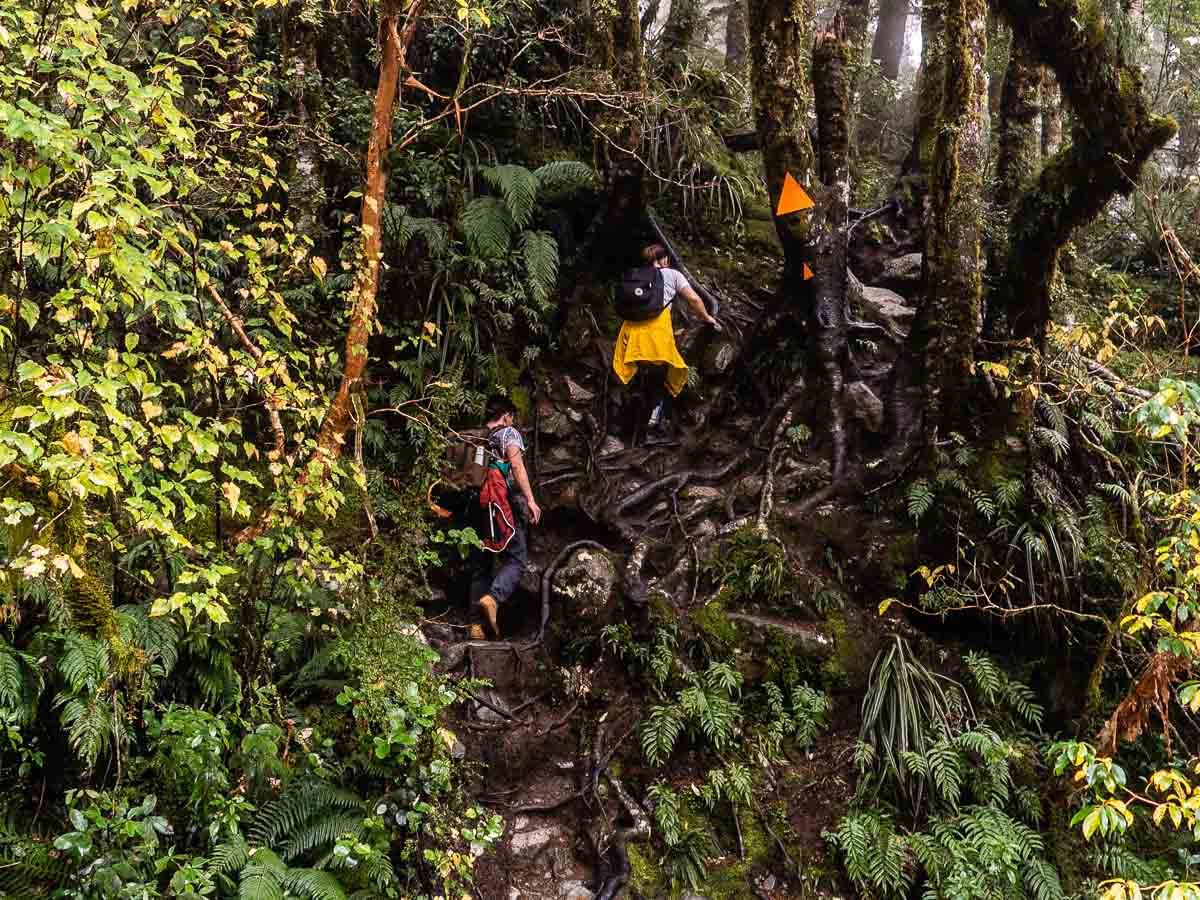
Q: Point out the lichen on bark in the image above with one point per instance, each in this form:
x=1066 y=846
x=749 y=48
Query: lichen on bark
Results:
x=948 y=316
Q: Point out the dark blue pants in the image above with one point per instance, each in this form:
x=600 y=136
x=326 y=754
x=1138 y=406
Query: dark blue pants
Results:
x=499 y=574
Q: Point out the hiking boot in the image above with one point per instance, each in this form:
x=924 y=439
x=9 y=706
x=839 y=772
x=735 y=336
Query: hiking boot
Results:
x=488 y=604
x=475 y=633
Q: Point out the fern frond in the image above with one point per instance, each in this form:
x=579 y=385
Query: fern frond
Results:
x=920 y=499
x=662 y=728
x=487 y=226
x=540 y=251
x=322 y=832
x=262 y=877
x=282 y=818
x=564 y=176
x=313 y=884
x=519 y=188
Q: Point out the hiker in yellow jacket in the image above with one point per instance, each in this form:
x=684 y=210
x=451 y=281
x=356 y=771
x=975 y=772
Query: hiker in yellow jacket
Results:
x=652 y=342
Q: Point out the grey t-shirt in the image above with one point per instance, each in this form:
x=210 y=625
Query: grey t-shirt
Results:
x=503 y=438
x=673 y=283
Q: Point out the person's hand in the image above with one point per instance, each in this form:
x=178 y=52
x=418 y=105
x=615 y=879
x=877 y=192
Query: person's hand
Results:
x=535 y=511
x=715 y=324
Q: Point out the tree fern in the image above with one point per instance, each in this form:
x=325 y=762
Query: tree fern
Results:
x=564 y=176
x=487 y=226
x=540 y=252
x=231 y=856
x=519 y=188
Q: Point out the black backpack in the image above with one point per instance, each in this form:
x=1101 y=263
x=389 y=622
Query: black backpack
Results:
x=640 y=297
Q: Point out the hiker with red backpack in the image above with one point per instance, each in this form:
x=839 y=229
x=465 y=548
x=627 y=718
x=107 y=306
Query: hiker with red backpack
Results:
x=504 y=516
x=647 y=337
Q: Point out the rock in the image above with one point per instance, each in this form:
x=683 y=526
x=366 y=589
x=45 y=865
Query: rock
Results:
x=889 y=309
x=535 y=840
x=611 y=445
x=902 y=273
x=588 y=581
x=574 y=890
x=577 y=393
x=554 y=422
x=719 y=357
x=806 y=638
x=865 y=406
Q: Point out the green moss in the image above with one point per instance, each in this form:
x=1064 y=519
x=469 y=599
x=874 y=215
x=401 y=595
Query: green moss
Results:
x=646 y=878
x=714 y=625
x=835 y=671
x=733 y=880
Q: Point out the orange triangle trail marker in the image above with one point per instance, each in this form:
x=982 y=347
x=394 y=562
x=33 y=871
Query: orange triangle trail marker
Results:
x=792 y=198
x=807 y=272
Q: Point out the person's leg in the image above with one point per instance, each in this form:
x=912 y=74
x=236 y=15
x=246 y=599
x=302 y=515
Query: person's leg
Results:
x=656 y=392
x=479 y=565
x=510 y=566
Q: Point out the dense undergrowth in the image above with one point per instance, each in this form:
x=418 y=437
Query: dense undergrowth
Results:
x=213 y=677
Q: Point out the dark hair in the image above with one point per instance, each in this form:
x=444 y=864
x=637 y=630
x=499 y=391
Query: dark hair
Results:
x=652 y=253
x=497 y=406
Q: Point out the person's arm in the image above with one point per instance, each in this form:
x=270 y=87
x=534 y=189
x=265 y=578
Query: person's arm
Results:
x=698 y=307
x=516 y=459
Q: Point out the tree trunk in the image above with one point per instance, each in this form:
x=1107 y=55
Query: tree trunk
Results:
x=834 y=54
x=948 y=318
x=780 y=36
x=394 y=44
x=931 y=82
x=1020 y=144
x=1052 y=125
x=1114 y=134
x=618 y=37
x=888 y=47
x=307 y=184
x=682 y=31
x=735 y=39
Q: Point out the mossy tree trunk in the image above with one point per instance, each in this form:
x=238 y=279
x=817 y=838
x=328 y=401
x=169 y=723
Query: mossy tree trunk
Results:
x=1019 y=145
x=1114 y=133
x=736 y=39
x=948 y=317
x=780 y=37
x=683 y=30
x=1052 y=124
x=618 y=43
x=930 y=83
x=834 y=53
